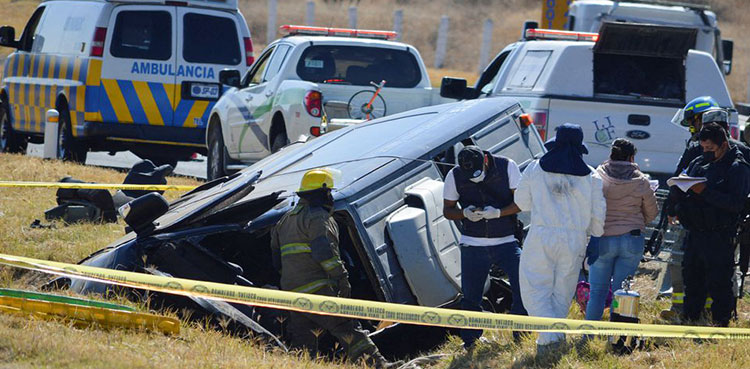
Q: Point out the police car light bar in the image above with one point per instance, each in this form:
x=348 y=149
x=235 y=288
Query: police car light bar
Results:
x=550 y=34
x=342 y=32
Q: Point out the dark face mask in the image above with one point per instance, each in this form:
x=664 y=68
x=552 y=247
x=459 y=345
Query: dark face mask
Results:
x=709 y=156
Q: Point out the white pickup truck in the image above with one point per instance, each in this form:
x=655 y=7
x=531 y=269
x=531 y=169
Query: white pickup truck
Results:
x=305 y=80
x=626 y=81
x=588 y=16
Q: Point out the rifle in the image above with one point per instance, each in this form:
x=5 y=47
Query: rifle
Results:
x=653 y=246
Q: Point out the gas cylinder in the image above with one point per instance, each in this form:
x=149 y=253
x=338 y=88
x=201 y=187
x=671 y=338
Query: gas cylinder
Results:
x=625 y=306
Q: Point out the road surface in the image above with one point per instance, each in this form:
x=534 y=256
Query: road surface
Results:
x=126 y=159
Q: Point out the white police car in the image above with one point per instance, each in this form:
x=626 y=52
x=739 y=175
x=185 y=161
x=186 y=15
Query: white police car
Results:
x=123 y=74
x=302 y=81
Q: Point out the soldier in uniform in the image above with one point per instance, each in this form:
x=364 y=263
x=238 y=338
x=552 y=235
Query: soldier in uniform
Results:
x=304 y=246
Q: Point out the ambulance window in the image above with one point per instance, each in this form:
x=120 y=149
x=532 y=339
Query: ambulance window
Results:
x=27 y=38
x=210 y=39
x=141 y=34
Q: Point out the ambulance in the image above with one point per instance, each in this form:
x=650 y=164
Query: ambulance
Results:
x=123 y=75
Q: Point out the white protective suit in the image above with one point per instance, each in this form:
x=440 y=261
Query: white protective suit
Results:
x=565 y=209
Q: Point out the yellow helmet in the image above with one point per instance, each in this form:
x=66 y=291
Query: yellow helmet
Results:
x=315 y=179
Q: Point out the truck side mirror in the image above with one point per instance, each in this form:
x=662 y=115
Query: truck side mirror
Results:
x=728 y=51
x=8 y=37
x=230 y=77
x=453 y=88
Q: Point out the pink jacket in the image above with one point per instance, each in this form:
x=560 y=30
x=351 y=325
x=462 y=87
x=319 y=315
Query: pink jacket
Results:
x=631 y=203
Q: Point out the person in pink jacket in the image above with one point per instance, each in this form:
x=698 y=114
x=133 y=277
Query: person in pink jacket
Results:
x=631 y=204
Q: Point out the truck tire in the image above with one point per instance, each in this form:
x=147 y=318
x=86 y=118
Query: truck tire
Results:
x=216 y=163
x=279 y=141
x=10 y=141
x=68 y=147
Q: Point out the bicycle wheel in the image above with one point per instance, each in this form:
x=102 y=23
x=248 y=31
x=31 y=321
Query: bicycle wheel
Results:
x=358 y=109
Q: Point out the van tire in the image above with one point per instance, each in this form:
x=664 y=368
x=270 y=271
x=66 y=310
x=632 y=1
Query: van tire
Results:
x=279 y=141
x=216 y=162
x=10 y=141
x=68 y=147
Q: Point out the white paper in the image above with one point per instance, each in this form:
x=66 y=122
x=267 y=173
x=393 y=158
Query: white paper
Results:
x=684 y=182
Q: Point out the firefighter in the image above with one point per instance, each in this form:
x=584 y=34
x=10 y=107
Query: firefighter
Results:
x=710 y=212
x=304 y=246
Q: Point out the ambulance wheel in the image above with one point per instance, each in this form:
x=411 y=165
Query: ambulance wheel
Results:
x=216 y=165
x=68 y=147
x=10 y=141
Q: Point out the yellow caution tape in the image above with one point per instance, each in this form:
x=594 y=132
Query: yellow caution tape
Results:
x=95 y=186
x=86 y=315
x=364 y=309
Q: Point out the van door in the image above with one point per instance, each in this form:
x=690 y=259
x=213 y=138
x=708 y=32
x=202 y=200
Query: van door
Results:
x=426 y=244
x=138 y=72
x=208 y=41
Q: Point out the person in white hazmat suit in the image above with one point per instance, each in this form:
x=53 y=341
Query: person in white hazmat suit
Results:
x=565 y=198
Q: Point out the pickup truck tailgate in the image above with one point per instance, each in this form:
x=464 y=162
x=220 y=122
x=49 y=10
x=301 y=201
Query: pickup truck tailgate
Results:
x=659 y=142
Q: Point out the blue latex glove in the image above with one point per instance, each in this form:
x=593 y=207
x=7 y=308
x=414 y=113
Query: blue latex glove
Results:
x=592 y=250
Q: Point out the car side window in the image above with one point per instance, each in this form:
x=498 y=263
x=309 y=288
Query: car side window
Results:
x=29 y=32
x=142 y=34
x=255 y=75
x=277 y=60
x=503 y=137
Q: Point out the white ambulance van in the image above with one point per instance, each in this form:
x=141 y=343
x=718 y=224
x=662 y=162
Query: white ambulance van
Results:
x=124 y=75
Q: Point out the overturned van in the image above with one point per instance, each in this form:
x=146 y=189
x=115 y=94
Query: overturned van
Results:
x=395 y=242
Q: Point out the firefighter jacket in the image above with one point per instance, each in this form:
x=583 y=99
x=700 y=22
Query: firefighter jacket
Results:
x=304 y=246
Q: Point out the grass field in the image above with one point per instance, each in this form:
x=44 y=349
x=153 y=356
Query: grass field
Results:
x=31 y=343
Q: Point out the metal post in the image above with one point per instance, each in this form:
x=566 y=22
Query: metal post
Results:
x=398 y=23
x=310 y=14
x=352 y=17
x=484 y=53
x=271 y=31
x=51 y=126
x=442 y=41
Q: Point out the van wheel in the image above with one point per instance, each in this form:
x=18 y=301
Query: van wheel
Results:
x=10 y=141
x=216 y=163
x=279 y=141
x=68 y=148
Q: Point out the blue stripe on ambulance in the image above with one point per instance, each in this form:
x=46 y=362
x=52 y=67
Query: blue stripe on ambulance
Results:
x=162 y=101
x=133 y=102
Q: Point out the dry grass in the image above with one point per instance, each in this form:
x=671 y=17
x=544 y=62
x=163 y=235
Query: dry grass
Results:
x=31 y=343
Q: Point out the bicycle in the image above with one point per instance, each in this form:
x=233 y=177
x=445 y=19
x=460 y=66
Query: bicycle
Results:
x=367 y=104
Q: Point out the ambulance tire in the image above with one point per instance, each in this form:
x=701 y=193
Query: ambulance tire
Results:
x=216 y=163
x=68 y=147
x=10 y=141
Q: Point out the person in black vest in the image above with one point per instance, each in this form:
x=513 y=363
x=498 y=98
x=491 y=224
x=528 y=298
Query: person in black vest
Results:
x=710 y=211
x=483 y=185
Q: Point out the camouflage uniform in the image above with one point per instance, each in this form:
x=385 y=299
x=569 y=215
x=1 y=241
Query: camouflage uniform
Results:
x=304 y=245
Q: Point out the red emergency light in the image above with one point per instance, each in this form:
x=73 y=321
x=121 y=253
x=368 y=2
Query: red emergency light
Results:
x=550 y=34
x=342 y=32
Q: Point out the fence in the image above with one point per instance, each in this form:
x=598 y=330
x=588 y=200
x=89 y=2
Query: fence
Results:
x=398 y=22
